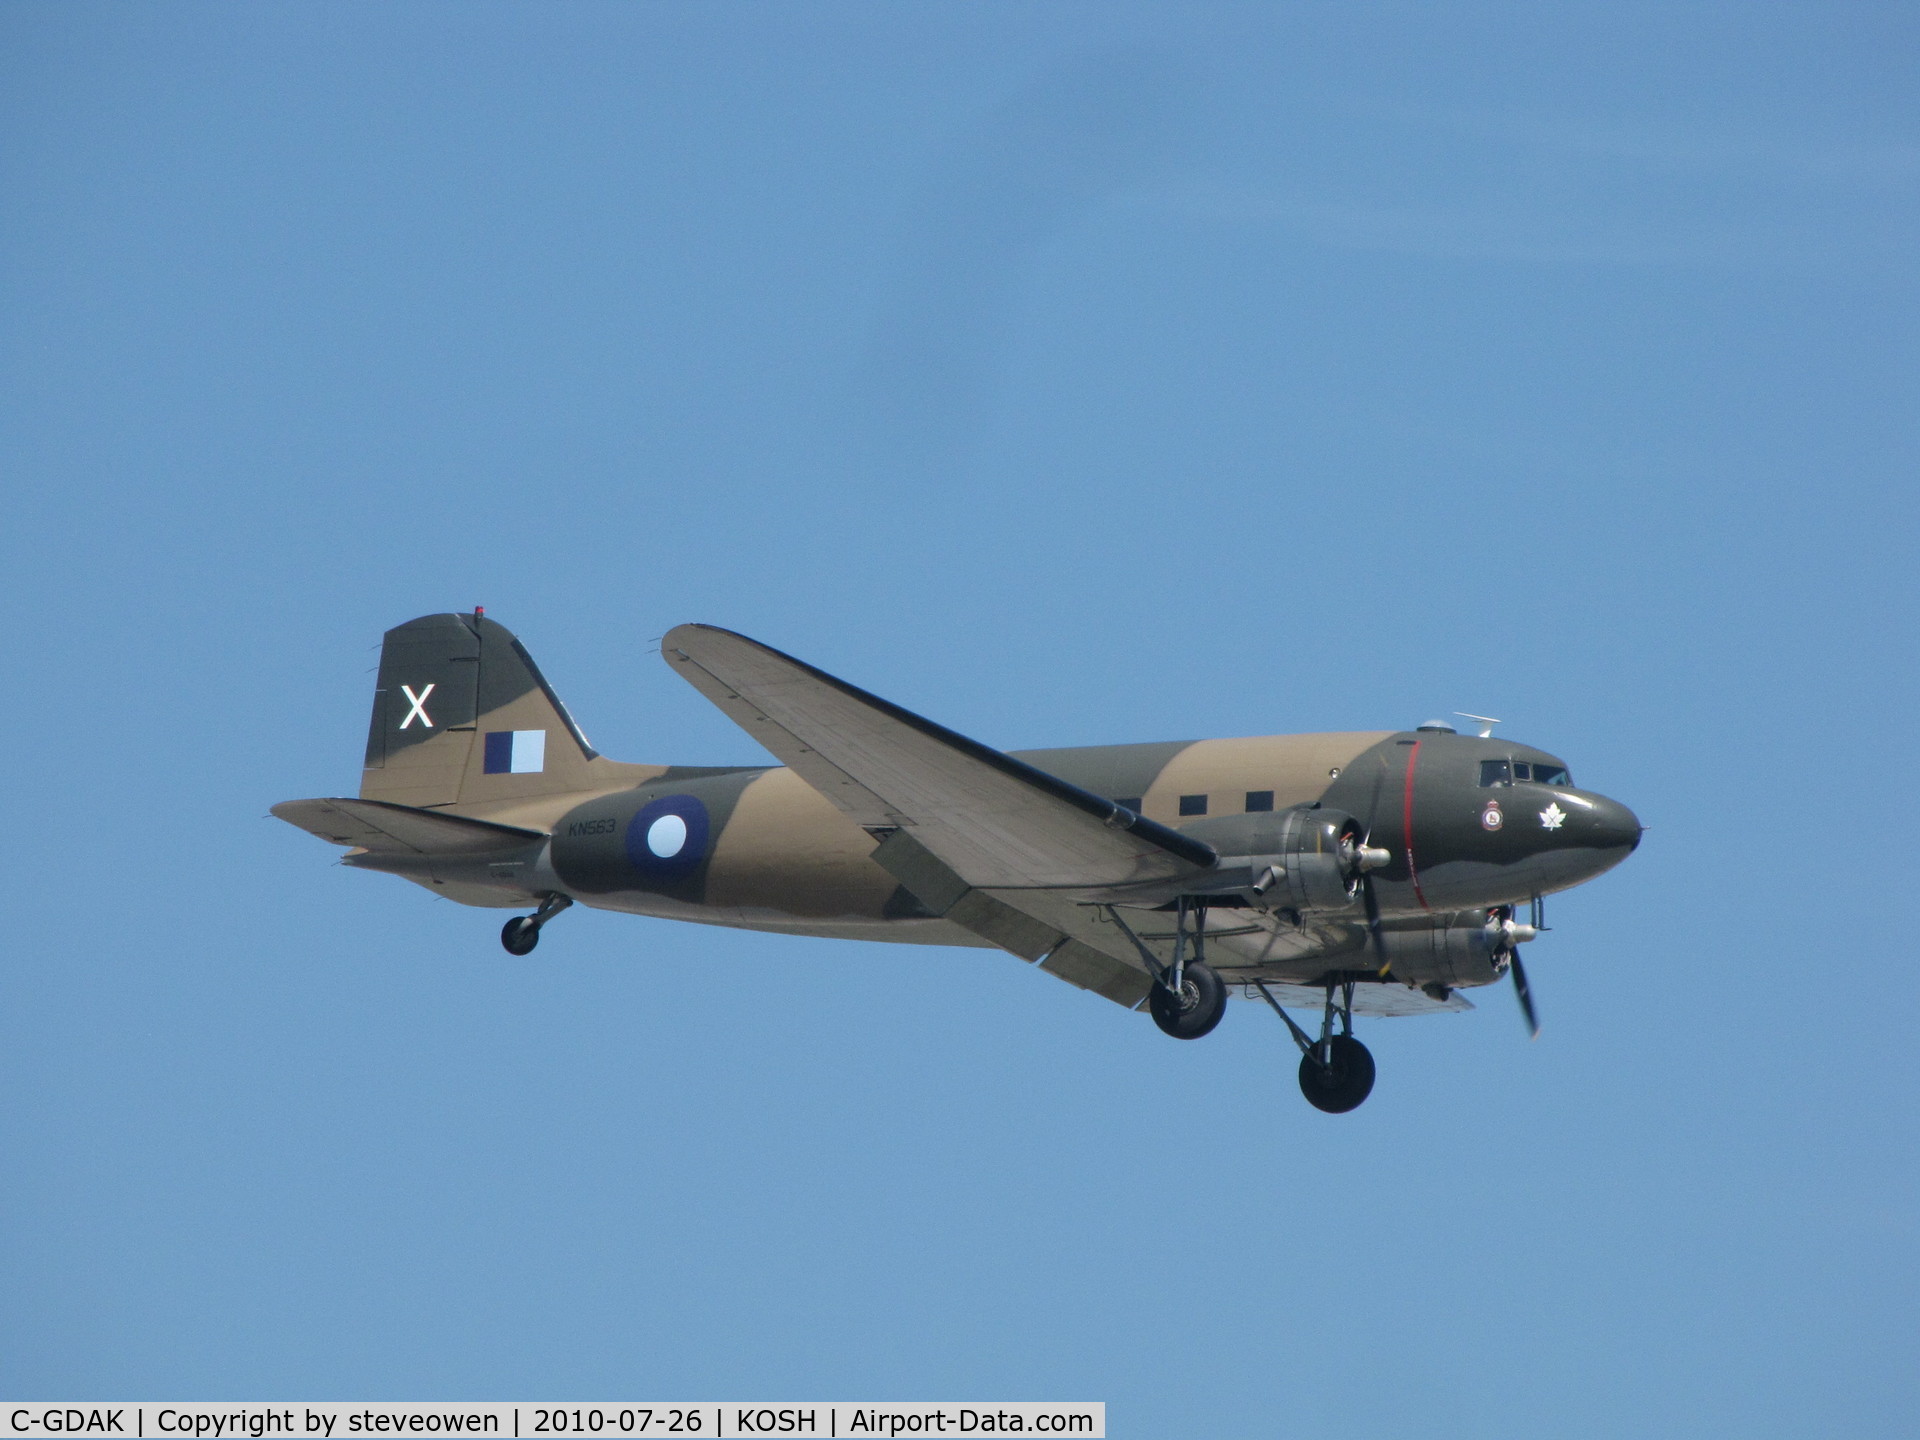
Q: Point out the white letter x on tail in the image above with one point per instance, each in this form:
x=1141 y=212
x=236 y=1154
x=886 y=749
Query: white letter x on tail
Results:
x=419 y=704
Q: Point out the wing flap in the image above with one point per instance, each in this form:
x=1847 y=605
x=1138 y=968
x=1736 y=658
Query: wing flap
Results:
x=1090 y=969
x=995 y=821
x=1073 y=942
x=388 y=829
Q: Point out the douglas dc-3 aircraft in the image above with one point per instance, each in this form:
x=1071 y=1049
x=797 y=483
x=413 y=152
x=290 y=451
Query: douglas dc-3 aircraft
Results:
x=1371 y=873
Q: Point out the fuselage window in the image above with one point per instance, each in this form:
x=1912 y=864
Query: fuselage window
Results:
x=1259 y=800
x=1495 y=772
x=1193 y=804
x=1544 y=774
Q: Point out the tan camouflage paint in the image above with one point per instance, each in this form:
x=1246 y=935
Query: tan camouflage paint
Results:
x=1297 y=768
x=787 y=849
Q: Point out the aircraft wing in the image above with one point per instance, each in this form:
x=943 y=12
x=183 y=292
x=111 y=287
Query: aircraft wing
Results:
x=390 y=829
x=996 y=822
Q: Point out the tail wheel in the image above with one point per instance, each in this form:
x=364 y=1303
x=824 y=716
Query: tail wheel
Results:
x=1196 y=1009
x=1343 y=1082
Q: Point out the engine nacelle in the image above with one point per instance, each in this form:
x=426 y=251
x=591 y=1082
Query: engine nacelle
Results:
x=1469 y=947
x=1309 y=858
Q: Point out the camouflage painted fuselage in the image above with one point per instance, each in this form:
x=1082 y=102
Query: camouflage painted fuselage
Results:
x=760 y=848
x=777 y=856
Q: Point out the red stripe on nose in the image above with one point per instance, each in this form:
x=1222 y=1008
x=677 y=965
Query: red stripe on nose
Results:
x=1406 y=826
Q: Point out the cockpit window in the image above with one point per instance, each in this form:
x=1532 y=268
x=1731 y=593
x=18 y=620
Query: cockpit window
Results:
x=1506 y=772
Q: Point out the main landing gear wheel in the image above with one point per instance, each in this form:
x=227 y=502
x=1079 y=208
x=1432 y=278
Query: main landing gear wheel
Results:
x=1196 y=1009
x=1340 y=1081
x=1336 y=1071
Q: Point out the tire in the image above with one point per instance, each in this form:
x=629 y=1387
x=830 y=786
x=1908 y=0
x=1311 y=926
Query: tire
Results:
x=1341 y=1085
x=1198 y=1007
x=520 y=935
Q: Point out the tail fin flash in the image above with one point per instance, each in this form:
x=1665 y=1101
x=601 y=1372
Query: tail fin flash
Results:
x=462 y=716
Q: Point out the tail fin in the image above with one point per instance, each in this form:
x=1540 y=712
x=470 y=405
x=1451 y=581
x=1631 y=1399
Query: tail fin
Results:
x=462 y=716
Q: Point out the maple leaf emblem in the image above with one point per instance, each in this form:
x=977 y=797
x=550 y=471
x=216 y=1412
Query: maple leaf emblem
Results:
x=1551 y=817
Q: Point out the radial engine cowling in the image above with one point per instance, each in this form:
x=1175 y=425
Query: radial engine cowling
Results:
x=1308 y=858
x=1468 y=947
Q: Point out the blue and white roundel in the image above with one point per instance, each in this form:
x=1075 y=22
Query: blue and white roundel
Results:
x=668 y=837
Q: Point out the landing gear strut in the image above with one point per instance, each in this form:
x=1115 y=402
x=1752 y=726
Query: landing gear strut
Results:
x=1187 y=999
x=522 y=932
x=1336 y=1071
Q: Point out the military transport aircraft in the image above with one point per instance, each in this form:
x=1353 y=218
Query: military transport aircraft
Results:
x=1371 y=873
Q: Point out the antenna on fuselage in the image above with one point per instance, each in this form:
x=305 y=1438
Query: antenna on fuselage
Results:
x=1486 y=722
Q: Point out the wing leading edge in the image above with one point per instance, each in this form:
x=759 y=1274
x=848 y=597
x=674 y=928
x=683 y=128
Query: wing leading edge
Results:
x=997 y=822
x=986 y=841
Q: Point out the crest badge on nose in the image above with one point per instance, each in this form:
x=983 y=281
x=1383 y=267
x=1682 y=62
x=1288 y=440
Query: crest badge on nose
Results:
x=1491 y=816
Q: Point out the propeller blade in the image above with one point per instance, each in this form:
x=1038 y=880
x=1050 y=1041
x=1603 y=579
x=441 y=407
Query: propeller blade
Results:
x=1372 y=904
x=1525 y=993
x=1373 y=922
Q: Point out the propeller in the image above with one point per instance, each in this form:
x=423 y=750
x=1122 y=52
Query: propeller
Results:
x=1365 y=860
x=1372 y=904
x=1525 y=994
x=1508 y=938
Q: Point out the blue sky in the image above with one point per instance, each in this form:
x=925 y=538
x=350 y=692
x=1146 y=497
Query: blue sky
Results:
x=1070 y=374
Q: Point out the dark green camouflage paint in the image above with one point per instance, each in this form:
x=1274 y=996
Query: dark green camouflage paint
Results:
x=590 y=846
x=1452 y=858
x=474 y=666
x=1118 y=772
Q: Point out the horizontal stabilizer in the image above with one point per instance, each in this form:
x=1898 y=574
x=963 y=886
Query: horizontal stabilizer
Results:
x=390 y=829
x=996 y=821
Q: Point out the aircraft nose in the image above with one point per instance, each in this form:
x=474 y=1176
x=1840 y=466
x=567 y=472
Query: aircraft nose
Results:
x=1612 y=825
